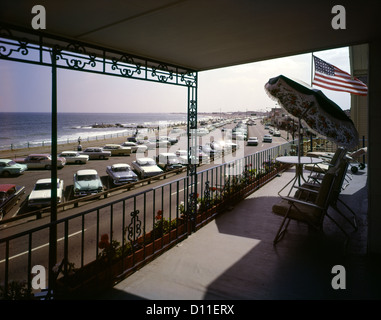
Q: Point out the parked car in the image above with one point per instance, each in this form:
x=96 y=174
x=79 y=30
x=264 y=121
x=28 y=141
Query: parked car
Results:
x=41 y=193
x=267 y=138
x=146 y=167
x=74 y=157
x=182 y=155
x=149 y=144
x=211 y=152
x=229 y=146
x=160 y=143
x=40 y=161
x=238 y=135
x=10 y=168
x=171 y=139
x=276 y=133
x=252 y=141
x=200 y=156
x=168 y=161
x=117 y=150
x=10 y=194
x=135 y=147
x=96 y=153
x=121 y=173
x=87 y=182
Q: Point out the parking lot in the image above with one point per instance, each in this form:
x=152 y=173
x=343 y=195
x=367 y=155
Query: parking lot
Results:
x=29 y=178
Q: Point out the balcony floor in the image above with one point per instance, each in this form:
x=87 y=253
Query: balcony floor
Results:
x=233 y=257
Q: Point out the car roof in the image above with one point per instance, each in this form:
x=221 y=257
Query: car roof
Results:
x=120 y=165
x=45 y=180
x=86 y=171
x=167 y=154
x=6 y=187
x=39 y=155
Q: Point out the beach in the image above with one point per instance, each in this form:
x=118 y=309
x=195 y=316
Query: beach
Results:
x=23 y=152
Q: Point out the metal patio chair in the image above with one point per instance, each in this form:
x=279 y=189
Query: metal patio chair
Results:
x=310 y=212
x=337 y=187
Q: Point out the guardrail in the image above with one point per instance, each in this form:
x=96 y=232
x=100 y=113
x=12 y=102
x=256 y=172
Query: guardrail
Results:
x=37 y=214
x=131 y=231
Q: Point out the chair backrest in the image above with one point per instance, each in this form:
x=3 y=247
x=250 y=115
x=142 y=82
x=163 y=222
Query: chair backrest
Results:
x=339 y=181
x=325 y=194
x=338 y=155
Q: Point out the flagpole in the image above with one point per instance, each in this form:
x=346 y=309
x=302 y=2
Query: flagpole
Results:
x=312 y=66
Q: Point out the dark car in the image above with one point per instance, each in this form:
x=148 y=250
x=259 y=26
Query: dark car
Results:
x=10 y=194
x=121 y=173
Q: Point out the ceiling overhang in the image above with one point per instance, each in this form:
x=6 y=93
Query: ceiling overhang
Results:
x=202 y=34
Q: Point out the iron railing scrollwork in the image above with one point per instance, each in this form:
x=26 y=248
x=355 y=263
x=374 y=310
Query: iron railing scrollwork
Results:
x=24 y=45
x=126 y=66
x=134 y=229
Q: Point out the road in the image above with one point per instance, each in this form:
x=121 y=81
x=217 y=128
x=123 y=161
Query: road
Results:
x=166 y=195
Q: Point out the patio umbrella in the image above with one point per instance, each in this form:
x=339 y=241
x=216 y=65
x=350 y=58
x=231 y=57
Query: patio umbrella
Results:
x=319 y=113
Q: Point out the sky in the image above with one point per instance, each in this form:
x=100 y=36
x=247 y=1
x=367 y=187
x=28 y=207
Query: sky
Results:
x=27 y=88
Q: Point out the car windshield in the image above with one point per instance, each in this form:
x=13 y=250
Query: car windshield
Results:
x=11 y=163
x=146 y=162
x=3 y=196
x=44 y=186
x=120 y=169
x=87 y=177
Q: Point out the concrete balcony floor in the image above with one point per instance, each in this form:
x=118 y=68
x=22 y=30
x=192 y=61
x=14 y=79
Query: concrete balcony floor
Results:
x=233 y=257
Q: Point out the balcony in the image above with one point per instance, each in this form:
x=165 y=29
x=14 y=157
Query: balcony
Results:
x=233 y=256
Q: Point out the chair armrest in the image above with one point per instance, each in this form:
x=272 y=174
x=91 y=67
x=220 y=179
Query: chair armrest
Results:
x=293 y=200
x=307 y=189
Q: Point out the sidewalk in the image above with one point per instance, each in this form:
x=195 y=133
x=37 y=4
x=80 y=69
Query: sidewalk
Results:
x=233 y=257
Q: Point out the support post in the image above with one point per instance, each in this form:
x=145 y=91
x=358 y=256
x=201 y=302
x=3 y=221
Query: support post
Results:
x=53 y=203
x=192 y=156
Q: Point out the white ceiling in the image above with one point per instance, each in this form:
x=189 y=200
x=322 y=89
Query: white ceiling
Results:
x=202 y=34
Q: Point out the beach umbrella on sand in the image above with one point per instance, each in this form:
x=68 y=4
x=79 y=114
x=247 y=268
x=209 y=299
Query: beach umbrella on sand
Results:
x=318 y=112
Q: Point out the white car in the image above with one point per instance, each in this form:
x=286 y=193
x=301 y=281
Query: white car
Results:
x=168 y=161
x=199 y=157
x=74 y=157
x=135 y=147
x=97 y=153
x=146 y=167
x=117 y=150
x=41 y=193
x=252 y=141
x=267 y=138
x=276 y=133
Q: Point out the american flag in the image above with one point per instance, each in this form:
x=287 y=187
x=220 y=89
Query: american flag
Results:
x=330 y=77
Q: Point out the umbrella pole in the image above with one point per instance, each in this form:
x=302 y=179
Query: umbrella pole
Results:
x=299 y=146
x=299 y=143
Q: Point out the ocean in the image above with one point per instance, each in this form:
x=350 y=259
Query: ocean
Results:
x=19 y=130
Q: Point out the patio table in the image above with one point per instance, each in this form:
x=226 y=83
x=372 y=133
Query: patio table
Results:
x=299 y=162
